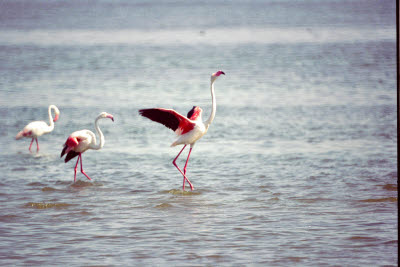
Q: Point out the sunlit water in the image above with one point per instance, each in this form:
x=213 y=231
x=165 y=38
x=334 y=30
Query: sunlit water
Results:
x=298 y=167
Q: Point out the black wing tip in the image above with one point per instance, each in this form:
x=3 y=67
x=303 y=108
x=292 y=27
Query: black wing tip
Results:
x=63 y=151
x=72 y=154
x=149 y=112
x=145 y=111
x=163 y=116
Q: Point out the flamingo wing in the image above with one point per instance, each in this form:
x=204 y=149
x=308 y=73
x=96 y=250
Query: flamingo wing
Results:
x=71 y=154
x=33 y=129
x=75 y=144
x=64 y=150
x=170 y=118
x=69 y=145
x=23 y=133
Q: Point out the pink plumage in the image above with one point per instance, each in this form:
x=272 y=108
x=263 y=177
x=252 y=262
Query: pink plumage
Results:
x=188 y=129
x=170 y=118
x=38 y=128
x=80 y=141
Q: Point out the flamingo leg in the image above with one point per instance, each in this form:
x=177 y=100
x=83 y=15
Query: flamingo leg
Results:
x=31 y=145
x=184 y=175
x=187 y=160
x=184 y=169
x=76 y=166
x=80 y=155
x=37 y=145
x=174 y=162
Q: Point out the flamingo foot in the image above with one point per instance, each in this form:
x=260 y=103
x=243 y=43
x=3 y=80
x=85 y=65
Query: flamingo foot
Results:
x=191 y=186
x=185 y=179
x=85 y=175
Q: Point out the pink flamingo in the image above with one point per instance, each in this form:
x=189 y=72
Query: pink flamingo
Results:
x=38 y=128
x=80 y=141
x=189 y=129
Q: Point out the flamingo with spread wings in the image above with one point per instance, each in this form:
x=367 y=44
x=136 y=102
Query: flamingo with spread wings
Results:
x=189 y=129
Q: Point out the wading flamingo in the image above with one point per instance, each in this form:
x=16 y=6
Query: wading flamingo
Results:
x=38 y=128
x=189 y=129
x=80 y=141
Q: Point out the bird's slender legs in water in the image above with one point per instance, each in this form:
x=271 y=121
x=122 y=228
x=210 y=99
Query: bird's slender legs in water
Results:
x=76 y=167
x=184 y=175
x=31 y=145
x=37 y=145
x=184 y=170
x=80 y=155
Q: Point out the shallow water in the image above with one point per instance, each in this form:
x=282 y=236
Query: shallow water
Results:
x=298 y=167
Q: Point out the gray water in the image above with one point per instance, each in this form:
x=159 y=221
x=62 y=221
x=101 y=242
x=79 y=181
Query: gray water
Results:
x=299 y=166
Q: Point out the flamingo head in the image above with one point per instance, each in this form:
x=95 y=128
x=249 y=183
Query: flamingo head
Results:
x=106 y=115
x=215 y=75
x=56 y=112
x=195 y=113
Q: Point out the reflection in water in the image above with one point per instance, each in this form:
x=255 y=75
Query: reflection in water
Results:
x=44 y=205
x=180 y=192
x=80 y=183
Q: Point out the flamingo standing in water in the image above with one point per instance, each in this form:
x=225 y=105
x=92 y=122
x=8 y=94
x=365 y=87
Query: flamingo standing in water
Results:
x=80 y=141
x=189 y=129
x=38 y=128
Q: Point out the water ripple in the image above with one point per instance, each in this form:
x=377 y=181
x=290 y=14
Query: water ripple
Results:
x=44 y=205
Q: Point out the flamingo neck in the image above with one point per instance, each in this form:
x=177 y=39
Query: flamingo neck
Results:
x=51 y=126
x=214 y=107
x=100 y=133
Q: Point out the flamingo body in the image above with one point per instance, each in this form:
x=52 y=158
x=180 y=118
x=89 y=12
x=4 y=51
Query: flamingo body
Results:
x=189 y=129
x=80 y=141
x=33 y=130
x=38 y=128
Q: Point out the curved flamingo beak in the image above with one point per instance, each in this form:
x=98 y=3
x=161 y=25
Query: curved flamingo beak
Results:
x=218 y=73
x=110 y=117
x=55 y=118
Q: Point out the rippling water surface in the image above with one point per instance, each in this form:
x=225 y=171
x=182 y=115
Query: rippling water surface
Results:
x=298 y=167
